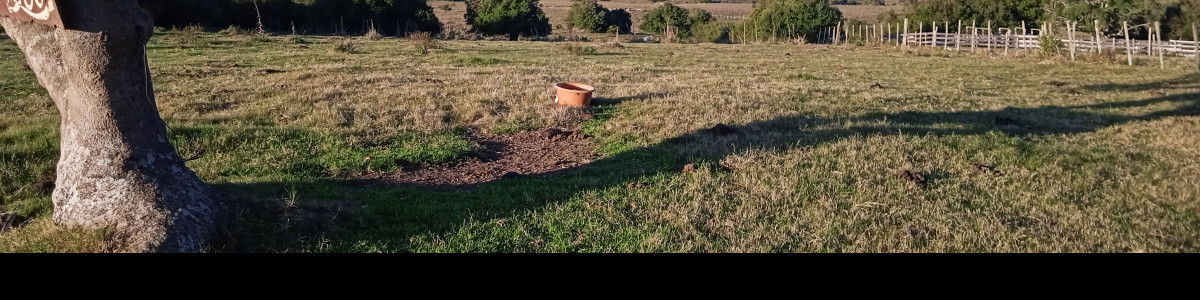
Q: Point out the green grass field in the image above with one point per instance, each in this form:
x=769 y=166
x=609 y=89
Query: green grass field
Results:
x=1022 y=154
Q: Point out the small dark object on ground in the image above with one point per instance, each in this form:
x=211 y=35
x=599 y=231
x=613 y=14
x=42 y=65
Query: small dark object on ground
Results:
x=722 y=129
x=913 y=177
x=1005 y=121
x=271 y=71
x=556 y=134
x=613 y=45
x=688 y=168
x=633 y=185
x=877 y=86
x=45 y=185
x=986 y=169
x=511 y=175
x=1056 y=83
x=10 y=221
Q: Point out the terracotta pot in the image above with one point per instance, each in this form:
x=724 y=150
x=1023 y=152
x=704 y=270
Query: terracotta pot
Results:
x=573 y=94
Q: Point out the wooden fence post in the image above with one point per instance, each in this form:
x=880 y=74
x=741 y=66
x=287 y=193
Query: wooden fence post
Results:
x=1161 y=63
x=958 y=37
x=946 y=41
x=1128 y=43
x=1006 y=40
x=1024 y=33
x=991 y=37
x=1071 y=36
x=905 y=42
x=1196 y=40
x=756 y=30
x=1099 y=44
x=837 y=34
x=974 y=36
x=935 y=35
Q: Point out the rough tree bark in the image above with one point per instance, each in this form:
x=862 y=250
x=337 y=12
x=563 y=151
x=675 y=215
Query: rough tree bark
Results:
x=116 y=168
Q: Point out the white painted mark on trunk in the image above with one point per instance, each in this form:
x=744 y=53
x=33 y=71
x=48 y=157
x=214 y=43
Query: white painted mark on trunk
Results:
x=38 y=9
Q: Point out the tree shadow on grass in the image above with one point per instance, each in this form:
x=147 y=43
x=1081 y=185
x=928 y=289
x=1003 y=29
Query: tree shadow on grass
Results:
x=312 y=214
x=611 y=101
x=1186 y=81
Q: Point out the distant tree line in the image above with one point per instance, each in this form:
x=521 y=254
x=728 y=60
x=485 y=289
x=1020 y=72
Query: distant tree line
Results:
x=391 y=17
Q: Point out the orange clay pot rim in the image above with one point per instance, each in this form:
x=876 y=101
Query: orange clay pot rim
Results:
x=575 y=87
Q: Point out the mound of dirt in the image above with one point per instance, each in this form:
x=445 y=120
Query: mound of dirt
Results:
x=508 y=156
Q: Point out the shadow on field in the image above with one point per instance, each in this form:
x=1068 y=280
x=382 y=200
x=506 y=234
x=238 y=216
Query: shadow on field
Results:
x=334 y=215
x=1187 y=81
x=602 y=101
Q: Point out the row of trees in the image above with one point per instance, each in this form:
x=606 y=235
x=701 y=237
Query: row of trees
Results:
x=1177 y=17
x=770 y=19
x=310 y=16
x=512 y=18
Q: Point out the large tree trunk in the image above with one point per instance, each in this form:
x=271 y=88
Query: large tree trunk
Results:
x=117 y=169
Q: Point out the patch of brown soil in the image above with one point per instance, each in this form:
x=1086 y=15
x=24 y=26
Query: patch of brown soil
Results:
x=507 y=156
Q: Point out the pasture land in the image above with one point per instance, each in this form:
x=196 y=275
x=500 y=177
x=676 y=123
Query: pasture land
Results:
x=822 y=148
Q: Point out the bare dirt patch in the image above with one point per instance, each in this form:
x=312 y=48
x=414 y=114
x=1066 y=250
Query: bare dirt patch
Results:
x=507 y=156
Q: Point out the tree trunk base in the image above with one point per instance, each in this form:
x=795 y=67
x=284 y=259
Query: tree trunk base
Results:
x=117 y=169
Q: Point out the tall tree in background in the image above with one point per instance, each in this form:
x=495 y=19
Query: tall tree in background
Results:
x=1110 y=13
x=1179 y=17
x=1002 y=13
x=116 y=168
x=789 y=18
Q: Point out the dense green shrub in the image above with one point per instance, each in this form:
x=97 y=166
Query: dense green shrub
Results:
x=1049 y=45
x=619 y=18
x=587 y=15
x=711 y=32
x=793 y=18
x=694 y=25
x=390 y=17
x=658 y=19
x=507 y=17
x=700 y=16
